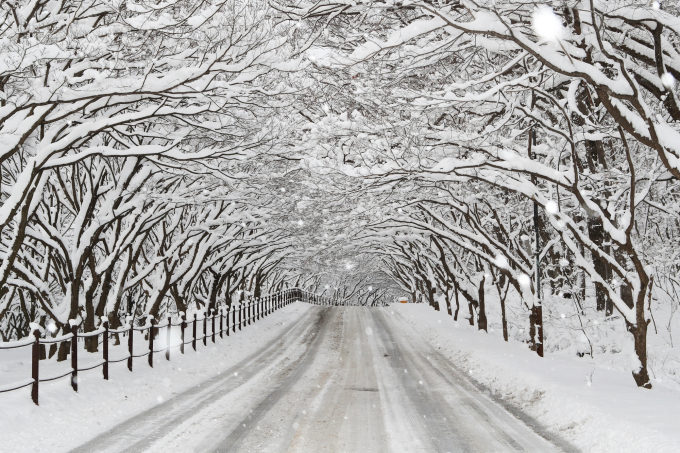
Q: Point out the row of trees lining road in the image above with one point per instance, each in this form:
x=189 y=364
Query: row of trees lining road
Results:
x=484 y=111
x=514 y=164
x=134 y=136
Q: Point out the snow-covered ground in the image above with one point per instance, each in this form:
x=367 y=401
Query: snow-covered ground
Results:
x=344 y=379
x=377 y=377
x=595 y=408
x=66 y=419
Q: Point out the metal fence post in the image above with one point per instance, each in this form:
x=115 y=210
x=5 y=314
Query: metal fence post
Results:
x=193 y=342
x=36 y=367
x=205 y=328
x=105 y=349
x=221 y=322
x=212 y=325
x=167 y=336
x=228 y=320
x=153 y=321
x=240 y=315
x=74 y=358
x=131 y=336
x=182 y=326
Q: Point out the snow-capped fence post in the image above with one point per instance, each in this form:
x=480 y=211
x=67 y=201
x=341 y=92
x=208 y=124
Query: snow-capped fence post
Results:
x=151 y=335
x=227 y=317
x=250 y=311
x=212 y=324
x=205 y=328
x=193 y=341
x=105 y=351
x=221 y=322
x=131 y=336
x=35 y=366
x=240 y=315
x=74 y=357
x=233 y=321
x=167 y=336
x=182 y=326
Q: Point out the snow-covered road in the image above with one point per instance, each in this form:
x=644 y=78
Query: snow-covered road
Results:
x=336 y=380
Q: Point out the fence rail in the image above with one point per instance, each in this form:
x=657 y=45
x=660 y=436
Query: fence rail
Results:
x=234 y=317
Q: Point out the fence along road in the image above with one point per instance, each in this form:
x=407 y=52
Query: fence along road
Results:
x=340 y=379
x=241 y=315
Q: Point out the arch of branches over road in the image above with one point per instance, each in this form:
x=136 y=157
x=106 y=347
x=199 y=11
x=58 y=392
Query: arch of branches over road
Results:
x=520 y=159
x=134 y=137
x=531 y=148
x=147 y=165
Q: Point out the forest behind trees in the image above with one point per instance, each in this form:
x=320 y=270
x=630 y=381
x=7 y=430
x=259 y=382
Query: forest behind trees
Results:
x=511 y=162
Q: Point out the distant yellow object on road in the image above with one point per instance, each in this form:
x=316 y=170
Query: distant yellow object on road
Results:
x=403 y=300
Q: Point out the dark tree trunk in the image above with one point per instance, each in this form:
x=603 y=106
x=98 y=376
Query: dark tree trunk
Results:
x=91 y=343
x=500 y=285
x=597 y=234
x=481 y=320
x=448 y=300
x=504 y=320
x=455 y=290
x=258 y=285
x=433 y=300
x=214 y=289
x=532 y=328
x=64 y=348
x=626 y=291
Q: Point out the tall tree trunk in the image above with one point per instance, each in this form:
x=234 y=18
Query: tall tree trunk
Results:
x=532 y=328
x=448 y=300
x=500 y=285
x=91 y=343
x=504 y=320
x=432 y=292
x=481 y=319
x=597 y=234
x=455 y=290
x=214 y=289
x=258 y=285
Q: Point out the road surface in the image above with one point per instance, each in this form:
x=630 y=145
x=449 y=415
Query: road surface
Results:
x=339 y=379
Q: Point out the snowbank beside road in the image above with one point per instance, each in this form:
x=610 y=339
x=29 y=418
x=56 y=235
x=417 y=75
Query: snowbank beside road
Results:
x=65 y=419
x=596 y=409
